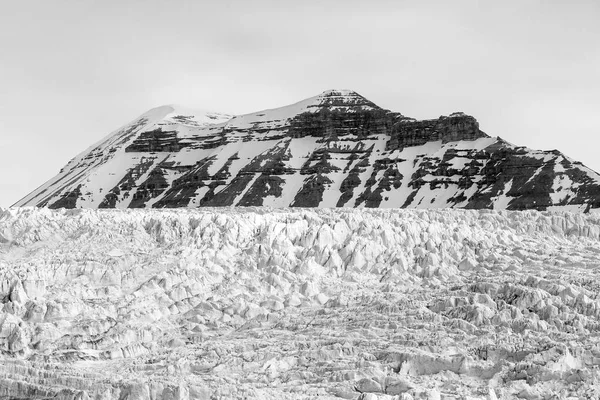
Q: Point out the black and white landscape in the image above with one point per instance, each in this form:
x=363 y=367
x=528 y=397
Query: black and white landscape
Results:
x=364 y=200
x=341 y=271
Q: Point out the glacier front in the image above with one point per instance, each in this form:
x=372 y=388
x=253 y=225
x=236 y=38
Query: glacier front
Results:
x=298 y=304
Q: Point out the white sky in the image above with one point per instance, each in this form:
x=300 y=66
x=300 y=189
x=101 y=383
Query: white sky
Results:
x=73 y=71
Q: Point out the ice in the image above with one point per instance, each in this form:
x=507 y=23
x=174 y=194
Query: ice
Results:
x=298 y=303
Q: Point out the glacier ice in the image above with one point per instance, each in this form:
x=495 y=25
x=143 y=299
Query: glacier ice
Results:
x=298 y=303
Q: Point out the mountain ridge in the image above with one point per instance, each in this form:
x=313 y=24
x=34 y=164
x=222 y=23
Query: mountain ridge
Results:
x=335 y=149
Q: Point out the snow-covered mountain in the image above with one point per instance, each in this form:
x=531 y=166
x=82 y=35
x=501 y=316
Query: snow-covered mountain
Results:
x=336 y=149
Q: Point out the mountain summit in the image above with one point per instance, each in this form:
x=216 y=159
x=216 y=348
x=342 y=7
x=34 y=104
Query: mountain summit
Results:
x=336 y=149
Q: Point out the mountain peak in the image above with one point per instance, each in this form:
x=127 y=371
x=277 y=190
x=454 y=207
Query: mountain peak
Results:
x=278 y=118
x=342 y=98
x=179 y=114
x=339 y=93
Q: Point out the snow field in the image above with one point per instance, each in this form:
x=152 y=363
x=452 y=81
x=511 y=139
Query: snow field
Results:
x=298 y=303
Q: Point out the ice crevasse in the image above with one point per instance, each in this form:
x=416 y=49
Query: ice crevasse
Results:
x=298 y=303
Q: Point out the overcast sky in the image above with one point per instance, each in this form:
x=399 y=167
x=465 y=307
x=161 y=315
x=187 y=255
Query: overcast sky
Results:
x=73 y=71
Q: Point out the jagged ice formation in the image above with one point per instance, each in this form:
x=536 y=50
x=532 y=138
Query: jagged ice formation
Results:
x=298 y=304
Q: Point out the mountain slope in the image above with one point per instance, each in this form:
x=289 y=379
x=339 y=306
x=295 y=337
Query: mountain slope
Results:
x=336 y=149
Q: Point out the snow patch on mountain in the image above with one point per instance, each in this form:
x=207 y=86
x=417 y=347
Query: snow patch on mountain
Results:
x=276 y=118
x=198 y=116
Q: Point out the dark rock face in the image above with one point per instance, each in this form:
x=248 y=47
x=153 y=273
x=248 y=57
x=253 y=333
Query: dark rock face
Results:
x=155 y=140
x=337 y=149
x=456 y=127
x=311 y=193
x=68 y=200
x=127 y=183
x=331 y=124
x=391 y=179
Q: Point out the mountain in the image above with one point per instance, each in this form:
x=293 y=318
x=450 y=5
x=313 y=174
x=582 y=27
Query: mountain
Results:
x=336 y=149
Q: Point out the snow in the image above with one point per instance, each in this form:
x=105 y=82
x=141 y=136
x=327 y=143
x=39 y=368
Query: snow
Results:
x=101 y=166
x=298 y=303
x=558 y=167
x=432 y=198
x=332 y=192
x=300 y=150
x=194 y=117
x=459 y=162
x=241 y=195
x=562 y=186
x=478 y=144
x=278 y=117
x=246 y=151
x=293 y=184
x=502 y=200
x=414 y=157
x=100 y=152
x=378 y=145
x=199 y=195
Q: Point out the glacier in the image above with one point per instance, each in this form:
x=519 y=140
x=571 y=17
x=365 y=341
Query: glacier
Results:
x=299 y=303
